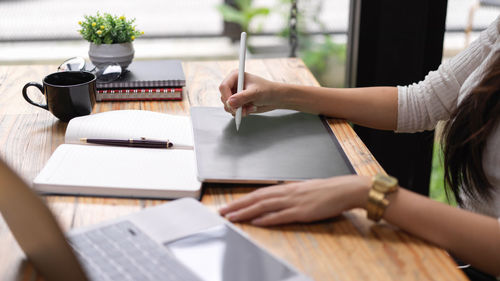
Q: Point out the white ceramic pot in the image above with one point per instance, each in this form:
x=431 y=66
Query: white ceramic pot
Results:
x=104 y=54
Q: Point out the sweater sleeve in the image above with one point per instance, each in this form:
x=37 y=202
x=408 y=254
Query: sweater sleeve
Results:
x=421 y=105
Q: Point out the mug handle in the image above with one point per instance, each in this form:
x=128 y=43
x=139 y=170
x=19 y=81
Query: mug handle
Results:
x=25 y=95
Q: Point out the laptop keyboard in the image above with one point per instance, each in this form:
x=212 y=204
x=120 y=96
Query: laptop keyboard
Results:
x=122 y=252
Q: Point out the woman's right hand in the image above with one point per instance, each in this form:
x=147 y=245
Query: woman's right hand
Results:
x=259 y=94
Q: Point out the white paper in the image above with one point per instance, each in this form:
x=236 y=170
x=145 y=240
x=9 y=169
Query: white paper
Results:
x=120 y=171
x=76 y=168
x=132 y=124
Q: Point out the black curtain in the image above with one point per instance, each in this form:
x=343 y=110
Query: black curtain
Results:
x=399 y=43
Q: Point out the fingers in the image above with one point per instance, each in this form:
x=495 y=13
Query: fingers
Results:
x=249 y=109
x=227 y=108
x=265 y=108
x=242 y=98
x=252 y=198
x=228 y=85
x=282 y=217
x=228 y=89
x=258 y=209
x=259 y=205
x=246 y=110
x=253 y=99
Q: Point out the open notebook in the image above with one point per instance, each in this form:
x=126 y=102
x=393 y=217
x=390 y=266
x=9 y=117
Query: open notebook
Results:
x=76 y=168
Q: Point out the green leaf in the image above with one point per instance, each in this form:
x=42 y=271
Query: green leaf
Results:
x=258 y=12
x=243 y=4
x=230 y=14
x=116 y=30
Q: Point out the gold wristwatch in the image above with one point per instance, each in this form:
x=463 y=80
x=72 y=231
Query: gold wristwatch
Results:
x=382 y=185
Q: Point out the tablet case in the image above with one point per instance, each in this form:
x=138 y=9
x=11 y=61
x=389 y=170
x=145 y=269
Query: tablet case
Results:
x=277 y=146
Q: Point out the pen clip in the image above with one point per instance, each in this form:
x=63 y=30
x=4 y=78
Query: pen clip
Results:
x=167 y=141
x=150 y=139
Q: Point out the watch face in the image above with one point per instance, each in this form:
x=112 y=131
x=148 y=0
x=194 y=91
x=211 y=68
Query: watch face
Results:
x=384 y=183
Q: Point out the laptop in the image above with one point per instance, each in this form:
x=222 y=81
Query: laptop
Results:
x=179 y=240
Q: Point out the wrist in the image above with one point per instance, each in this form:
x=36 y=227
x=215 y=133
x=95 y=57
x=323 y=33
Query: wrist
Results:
x=360 y=191
x=289 y=96
x=378 y=197
x=282 y=94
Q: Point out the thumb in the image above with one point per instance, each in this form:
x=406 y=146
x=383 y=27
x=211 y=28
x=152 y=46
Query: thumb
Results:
x=242 y=98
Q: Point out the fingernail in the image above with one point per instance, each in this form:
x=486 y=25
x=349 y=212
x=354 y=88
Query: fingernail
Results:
x=222 y=209
x=231 y=217
x=228 y=105
x=231 y=102
x=256 y=221
x=252 y=109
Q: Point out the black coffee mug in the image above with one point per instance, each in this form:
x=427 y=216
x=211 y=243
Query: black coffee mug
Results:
x=68 y=94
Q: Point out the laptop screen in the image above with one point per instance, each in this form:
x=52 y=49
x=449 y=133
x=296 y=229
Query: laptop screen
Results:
x=222 y=254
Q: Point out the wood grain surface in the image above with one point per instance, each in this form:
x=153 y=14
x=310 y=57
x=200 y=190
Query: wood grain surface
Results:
x=348 y=247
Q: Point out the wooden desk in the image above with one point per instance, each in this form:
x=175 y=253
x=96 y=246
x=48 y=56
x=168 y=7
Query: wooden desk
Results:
x=345 y=248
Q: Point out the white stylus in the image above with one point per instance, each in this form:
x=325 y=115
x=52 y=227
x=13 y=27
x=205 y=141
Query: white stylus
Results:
x=241 y=75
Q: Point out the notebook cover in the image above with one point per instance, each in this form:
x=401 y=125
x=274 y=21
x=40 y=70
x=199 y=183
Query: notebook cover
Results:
x=277 y=146
x=149 y=74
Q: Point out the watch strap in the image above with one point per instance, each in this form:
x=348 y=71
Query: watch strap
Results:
x=377 y=201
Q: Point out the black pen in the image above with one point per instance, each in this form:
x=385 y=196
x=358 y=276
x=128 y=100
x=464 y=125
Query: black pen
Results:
x=142 y=142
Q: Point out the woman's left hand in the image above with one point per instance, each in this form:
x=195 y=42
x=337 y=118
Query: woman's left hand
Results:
x=299 y=202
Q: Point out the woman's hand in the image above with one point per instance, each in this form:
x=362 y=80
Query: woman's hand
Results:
x=259 y=94
x=300 y=202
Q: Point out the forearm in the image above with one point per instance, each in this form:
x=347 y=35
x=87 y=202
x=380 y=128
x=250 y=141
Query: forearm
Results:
x=374 y=107
x=471 y=237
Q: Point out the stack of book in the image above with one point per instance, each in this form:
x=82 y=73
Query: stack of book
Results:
x=146 y=80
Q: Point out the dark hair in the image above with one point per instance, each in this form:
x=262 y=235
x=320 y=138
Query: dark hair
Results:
x=465 y=136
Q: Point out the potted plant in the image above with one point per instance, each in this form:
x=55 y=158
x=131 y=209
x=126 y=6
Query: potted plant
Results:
x=324 y=57
x=243 y=13
x=110 y=38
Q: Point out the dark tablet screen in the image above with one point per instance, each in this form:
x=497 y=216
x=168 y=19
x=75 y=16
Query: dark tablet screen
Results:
x=280 y=145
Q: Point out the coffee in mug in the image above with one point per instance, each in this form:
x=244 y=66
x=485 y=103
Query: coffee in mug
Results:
x=68 y=94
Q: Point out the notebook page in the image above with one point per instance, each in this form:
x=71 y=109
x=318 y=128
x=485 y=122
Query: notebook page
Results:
x=120 y=171
x=132 y=124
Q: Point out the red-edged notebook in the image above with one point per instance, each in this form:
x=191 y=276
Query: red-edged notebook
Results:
x=139 y=94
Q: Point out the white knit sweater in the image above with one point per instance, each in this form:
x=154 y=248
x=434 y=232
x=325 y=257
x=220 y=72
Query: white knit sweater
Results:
x=422 y=105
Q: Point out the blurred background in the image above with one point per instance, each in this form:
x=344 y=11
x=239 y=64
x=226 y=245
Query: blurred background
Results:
x=40 y=31
x=46 y=31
